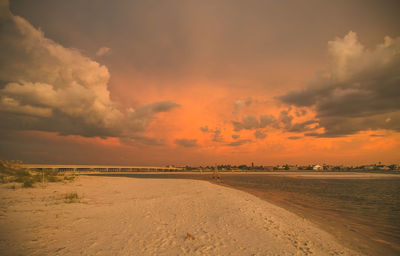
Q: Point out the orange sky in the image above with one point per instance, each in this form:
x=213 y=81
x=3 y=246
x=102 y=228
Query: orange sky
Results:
x=200 y=83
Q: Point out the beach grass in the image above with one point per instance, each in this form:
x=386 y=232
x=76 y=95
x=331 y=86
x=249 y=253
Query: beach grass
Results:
x=12 y=171
x=72 y=197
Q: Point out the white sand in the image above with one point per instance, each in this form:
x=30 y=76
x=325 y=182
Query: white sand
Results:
x=126 y=216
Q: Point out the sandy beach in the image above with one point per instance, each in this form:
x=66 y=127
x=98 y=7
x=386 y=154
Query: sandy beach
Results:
x=127 y=216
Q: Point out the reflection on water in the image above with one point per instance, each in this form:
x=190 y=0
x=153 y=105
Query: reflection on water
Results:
x=362 y=213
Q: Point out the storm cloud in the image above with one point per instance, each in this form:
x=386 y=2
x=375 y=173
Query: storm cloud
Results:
x=187 y=143
x=360 y=91
x=239 y=143
x=217 y=136
x=283 y=121
x=250 y=122
x=294 y=137
x=139 y=139
x=235 y=136
x=45 y=86
x=260 y=134
x=204 y=128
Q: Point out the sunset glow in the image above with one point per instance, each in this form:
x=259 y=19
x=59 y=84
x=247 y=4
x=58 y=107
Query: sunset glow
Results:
x=200 y=82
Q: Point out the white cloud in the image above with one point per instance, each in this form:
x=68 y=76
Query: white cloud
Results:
x=59 y=89
x=11 y=105
x=360 y=90
x=343 y=53
x=103 y=51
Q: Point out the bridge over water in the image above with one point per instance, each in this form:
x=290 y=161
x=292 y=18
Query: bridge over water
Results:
x=100 y=168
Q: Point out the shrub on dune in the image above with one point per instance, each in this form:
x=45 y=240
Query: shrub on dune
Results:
x=71 y=197
x=12 y=171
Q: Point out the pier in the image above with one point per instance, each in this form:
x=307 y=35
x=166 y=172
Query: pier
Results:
x=100 y=168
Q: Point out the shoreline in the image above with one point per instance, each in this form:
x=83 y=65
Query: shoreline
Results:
x=340 y=228
x=349 y=229
x=153 y=216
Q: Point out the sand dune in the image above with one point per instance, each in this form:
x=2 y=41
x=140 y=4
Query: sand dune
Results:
x=126 y=216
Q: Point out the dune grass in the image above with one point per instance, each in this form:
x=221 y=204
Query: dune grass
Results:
x=72 y=197
x=12 y=171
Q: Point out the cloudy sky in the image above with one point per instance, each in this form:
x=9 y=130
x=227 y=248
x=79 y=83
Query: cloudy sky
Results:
x=200 y=82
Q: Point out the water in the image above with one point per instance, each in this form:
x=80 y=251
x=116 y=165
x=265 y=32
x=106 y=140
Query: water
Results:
x=363 y=214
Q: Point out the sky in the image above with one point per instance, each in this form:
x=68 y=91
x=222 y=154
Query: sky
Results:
x=200 y=82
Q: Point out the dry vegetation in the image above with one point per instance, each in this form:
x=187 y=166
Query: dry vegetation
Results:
x=13 y=172
x=72 y=197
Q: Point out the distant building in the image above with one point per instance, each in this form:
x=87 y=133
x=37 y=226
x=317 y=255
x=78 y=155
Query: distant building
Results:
x=317 y=167
x=280 y=167
x=327 y=167
x=383 y=167
x=369 y=167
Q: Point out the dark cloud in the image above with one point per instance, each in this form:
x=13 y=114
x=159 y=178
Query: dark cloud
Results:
x=294 y=137
x=43 y=148
x=266 y=120
x=235 y=136
x=206 y=38
x=283 y=121
x=377 y=135
x=45 y=86
x=314 y=134
x=301 y=112
x=139 y=118
x=342 y=126
x=217 y=137
x=308 y=125
x=239 y=143
x=140 y=139
x=216 y=133
x=187 y=143
x=157 y=107
x=260 y=135
x=362 y=90
x=250 y=122
x=204 y=128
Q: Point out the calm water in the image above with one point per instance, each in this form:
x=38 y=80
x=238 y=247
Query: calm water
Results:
x=362 y=213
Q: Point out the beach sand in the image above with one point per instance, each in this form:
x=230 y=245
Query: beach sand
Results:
x=128 y=216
